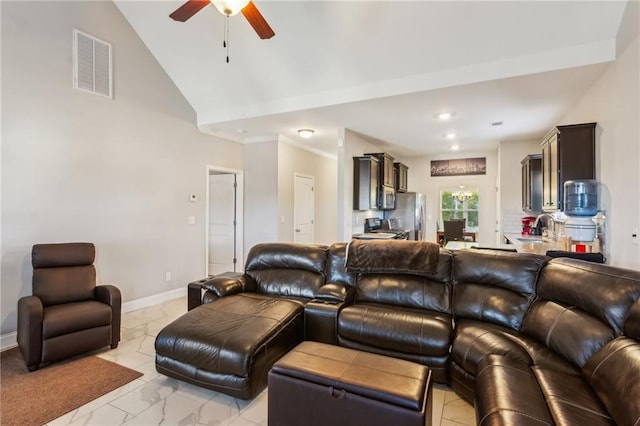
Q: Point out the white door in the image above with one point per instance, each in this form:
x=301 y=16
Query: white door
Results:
x=303 y=209
x=222 y=206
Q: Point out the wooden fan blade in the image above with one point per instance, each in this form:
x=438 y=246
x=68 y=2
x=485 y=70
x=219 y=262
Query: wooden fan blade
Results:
x=188 y=9
x=257 y=21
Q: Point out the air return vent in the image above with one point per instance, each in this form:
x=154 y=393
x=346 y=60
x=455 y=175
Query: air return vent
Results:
x=91 y=64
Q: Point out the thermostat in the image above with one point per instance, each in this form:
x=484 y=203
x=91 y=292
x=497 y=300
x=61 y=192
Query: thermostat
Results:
x=193 y=198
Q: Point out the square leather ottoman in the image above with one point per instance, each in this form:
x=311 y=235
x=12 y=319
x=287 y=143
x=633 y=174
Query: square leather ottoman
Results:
x=320 y=384
x=230 y=344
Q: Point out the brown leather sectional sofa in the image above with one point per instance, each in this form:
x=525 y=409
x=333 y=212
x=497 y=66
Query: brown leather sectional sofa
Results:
x=527 y=339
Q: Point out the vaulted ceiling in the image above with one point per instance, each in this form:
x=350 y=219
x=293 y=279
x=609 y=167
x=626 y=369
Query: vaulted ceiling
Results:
x=384 y=69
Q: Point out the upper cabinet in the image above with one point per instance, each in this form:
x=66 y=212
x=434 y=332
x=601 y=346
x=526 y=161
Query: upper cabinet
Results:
x=401 y=172
x=365 y=183
x=386 y=168
x=532 y=183
x=568 y=153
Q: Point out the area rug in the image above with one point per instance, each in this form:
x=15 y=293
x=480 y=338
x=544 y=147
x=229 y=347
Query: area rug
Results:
x=35 y=398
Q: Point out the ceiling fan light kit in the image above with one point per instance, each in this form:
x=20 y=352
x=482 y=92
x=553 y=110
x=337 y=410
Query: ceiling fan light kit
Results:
x=227 y=8
x=230 y=7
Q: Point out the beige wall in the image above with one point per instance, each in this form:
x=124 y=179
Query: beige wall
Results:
x=79 y=167
x=613 y=102
x=261 y=193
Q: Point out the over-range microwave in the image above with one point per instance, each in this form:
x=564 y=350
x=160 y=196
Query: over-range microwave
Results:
x=387 y=200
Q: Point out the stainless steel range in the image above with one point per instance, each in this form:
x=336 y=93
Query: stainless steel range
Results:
x=381 y=229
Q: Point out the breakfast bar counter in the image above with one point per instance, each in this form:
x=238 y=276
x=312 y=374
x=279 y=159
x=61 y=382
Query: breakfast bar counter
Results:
x=533 y=243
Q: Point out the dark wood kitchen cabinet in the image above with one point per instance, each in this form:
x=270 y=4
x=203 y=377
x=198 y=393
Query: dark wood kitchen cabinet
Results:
x=365 y=183
x=386 y=168
x=568 y=153
x=532 y=183
x=401 y=174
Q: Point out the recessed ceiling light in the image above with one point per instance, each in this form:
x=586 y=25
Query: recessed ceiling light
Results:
x=454 y=147
x=306 y=133
x=444 y=116
x=450 y=135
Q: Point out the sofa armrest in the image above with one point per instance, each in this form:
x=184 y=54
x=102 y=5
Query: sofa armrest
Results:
x=30 y=316
x=335 y=292
x=221 y=285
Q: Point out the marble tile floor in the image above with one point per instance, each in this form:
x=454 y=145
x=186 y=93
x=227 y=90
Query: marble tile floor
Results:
x=154 y=399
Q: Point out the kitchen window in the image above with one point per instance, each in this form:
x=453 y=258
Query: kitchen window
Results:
x=460 y=203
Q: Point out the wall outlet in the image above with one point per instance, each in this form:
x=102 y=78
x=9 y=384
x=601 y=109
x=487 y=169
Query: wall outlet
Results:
x=635 y=236
x=191 y=220
x=167 y=276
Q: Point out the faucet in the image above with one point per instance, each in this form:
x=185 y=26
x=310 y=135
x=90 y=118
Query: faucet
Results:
x=542 y=223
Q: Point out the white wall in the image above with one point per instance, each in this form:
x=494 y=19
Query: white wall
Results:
x=613 y=102
x=420 y=180
x=292 y=160
x=79 y=167
x=510 y=154
x=352 y=145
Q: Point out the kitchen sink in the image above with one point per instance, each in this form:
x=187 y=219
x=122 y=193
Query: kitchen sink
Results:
x=531 y=240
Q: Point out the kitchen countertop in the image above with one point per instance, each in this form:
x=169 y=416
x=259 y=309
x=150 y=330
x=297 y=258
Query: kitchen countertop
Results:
x=533 y=243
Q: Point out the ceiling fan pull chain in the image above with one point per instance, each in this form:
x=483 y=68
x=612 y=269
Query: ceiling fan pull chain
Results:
x=226 y=29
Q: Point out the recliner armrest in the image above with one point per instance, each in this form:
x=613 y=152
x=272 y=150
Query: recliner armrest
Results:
x=30 y=317
x=335 y=292
x=111 y=295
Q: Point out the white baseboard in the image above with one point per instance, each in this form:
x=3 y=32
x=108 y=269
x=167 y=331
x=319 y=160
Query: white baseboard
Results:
x=9 y=340
x=156 y=299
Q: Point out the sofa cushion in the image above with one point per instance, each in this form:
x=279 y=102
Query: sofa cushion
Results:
x=507 y=393
x=412 y=331
x=495 y=287
x=225 y=337
x=568 y=331
x=411 y=291
x=336 y=271
x=286 y=269
x=614 y=374
x=63 y=319
x=474 y=340
x=570 y=399
x=605 y=292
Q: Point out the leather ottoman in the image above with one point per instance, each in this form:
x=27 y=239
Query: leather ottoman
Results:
x=320 y=384
x=230 y=345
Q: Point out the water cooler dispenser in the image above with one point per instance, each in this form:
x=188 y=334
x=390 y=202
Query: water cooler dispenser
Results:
x=581 y=206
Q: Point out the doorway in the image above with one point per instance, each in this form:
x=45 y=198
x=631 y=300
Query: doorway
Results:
x=303 y=209
x=224 y=224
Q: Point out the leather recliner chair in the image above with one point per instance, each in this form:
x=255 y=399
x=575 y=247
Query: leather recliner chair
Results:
x=67 y=314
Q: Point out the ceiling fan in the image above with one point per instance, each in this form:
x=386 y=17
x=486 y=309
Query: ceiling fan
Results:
x=227 y=8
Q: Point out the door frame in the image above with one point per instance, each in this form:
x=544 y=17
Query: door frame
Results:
x=313 y=184
x=239 y=229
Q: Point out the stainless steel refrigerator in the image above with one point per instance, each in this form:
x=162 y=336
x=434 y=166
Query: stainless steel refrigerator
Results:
x=409 y=214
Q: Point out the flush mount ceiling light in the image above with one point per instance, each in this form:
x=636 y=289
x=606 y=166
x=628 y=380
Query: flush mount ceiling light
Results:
x=306 y=133
x=450 y=135
x=444 y=116
x=454 y=147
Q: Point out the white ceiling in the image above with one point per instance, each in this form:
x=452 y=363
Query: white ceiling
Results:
x=384 y=68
